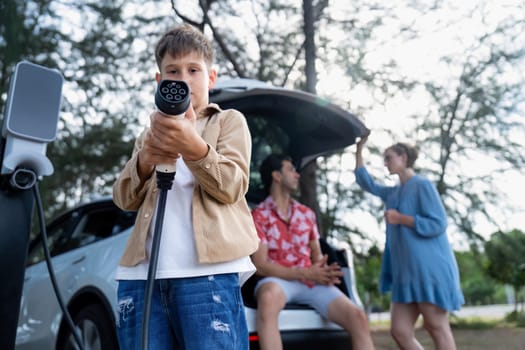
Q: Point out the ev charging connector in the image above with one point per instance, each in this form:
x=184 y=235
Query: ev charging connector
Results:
x=30 y=122
x=172 y=99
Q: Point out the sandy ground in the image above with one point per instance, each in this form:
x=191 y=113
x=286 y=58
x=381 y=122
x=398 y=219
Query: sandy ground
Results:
x=466 y=339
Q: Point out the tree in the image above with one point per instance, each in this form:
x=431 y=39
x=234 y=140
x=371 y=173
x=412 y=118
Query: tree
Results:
x=473 y=119
x=18 y=28
x=473 y=112
x=308 y=179
x=478 y=288
x=468 y=116
x=266 y=49
x=506 y=259
x=104 y=75
x=280 y=46
x=296 y=41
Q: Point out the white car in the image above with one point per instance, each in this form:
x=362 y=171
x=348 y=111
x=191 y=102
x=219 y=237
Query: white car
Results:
x=87 y=242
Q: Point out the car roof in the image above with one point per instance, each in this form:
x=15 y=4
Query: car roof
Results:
x=314 y=125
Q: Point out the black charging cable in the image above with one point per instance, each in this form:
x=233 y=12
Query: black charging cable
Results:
x=172 y=98
x=24 y=179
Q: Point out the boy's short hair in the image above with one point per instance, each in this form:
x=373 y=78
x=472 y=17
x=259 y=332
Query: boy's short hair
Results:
x=271 y=163
x=182 y=40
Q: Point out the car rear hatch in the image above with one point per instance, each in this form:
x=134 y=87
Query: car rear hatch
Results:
x=314 y=125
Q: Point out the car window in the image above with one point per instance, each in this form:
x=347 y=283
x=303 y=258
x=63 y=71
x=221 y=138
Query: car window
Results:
x=92 y=227
x=267 y=137
x=79 y=229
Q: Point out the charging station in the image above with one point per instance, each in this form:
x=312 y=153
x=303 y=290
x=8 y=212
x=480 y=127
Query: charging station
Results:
x=29 y=123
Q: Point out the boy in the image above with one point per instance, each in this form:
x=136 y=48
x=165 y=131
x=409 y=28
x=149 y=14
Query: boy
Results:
x=208 y=233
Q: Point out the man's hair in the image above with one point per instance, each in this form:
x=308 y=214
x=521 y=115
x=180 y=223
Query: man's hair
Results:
x=182 y=40
x=271 y=163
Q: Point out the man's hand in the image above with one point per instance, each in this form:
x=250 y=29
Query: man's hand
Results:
x=322 y=273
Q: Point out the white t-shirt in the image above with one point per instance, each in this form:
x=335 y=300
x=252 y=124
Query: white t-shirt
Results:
x=177 y=252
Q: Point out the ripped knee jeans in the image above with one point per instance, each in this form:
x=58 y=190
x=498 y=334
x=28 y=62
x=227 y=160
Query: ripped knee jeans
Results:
x=197 y=313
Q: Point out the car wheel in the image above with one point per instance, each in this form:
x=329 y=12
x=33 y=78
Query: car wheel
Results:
x=95 y=328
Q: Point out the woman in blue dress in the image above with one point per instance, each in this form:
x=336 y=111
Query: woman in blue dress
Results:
x=418 y=266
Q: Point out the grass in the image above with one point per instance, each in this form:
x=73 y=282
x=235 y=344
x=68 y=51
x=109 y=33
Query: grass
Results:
x=469 y=333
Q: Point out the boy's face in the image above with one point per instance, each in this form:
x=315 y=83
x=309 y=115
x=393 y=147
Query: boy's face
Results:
x=193 y=70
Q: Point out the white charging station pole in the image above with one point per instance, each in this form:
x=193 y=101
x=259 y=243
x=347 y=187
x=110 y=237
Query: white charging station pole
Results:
x=30 y=122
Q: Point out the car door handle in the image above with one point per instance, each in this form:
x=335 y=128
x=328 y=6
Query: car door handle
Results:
x=78 y=260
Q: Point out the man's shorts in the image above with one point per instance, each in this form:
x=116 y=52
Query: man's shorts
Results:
x=318 y=297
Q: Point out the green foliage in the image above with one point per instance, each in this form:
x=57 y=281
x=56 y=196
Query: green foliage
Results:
x=473 y=323
x=22 y=36
x=367 y=270
x=506 y=257
x=478 y=288
x=520 y=320
x=505 y=253
x=103 y=93
x=516 y=317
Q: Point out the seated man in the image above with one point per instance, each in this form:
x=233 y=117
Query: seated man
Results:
x=290 y=259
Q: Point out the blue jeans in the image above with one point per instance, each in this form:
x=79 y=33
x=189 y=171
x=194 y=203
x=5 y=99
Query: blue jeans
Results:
x=198 y=313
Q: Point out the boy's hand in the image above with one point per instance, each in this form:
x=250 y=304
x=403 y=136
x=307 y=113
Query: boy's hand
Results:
x=174 y=137
x=151 y=154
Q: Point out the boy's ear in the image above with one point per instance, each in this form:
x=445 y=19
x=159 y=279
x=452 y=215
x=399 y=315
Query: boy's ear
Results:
x=212 y=77
x=157 y=77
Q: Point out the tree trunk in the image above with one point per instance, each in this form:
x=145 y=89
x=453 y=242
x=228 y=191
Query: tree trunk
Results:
x=308 y=182
x=309 y=46
x=516 y=296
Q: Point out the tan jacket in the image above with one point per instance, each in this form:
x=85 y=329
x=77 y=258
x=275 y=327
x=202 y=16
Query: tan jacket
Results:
x=222 y=222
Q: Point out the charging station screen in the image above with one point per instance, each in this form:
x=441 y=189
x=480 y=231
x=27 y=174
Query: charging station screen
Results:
x=34 y=102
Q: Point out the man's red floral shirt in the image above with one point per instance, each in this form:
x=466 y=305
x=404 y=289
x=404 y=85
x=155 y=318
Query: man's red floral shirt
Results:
x=287 y=240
